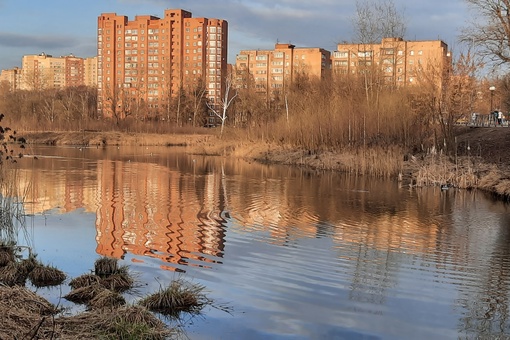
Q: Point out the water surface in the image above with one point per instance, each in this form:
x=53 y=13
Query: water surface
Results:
x=294 y=254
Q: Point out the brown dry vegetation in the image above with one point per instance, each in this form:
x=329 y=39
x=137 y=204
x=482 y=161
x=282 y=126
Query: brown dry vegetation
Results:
x=25 y=315
x=484 y=165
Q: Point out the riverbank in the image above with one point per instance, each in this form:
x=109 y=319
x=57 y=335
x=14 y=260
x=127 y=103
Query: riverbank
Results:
x=482 y=161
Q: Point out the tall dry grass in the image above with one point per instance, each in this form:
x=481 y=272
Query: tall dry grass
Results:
x=337 y=114
x=13 y=226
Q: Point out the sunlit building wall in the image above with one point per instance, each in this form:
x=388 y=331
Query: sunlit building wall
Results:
x=12 y=77
x=398 y=62
x=43 y=71
x=90 y=71
x=269 y=72
x=149 y=60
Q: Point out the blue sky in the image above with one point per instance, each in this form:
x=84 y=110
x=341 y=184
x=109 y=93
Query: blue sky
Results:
x=61 y=27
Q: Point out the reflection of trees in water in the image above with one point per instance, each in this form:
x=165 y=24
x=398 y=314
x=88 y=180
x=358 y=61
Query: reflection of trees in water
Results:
x=372 y=275
x=486 y=312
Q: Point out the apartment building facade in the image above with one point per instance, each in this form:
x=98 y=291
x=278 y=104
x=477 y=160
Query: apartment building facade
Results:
x=148 y=60
x=90 y=71
x=43 y=71
x=398 y=62
x=269 y=72
x=12 y=78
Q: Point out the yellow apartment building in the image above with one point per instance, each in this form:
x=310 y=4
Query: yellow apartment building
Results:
x=43 y=71
x=90 y=71
x=12 y=77
x=149 y=59
x=397 y=61
x=269 y=72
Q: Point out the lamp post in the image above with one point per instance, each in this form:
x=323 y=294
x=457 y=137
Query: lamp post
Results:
x=492 y=89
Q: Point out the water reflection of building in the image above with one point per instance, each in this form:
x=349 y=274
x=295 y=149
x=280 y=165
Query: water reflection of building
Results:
x=141 y=208
x=141 y=212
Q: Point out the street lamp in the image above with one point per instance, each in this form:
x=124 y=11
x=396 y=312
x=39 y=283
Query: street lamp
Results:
x=492 y=89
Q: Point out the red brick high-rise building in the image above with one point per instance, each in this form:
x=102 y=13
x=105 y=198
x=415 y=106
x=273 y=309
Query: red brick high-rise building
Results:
x=144 y=63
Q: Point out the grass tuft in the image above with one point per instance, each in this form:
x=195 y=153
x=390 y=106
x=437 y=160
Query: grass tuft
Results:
x=46 y=276
x=6 y=256
x=84 y=294
x=12 y=274
x=106 y=266
x=119 y=282
x=106 y=299
x=84 y=281
x=180 y=296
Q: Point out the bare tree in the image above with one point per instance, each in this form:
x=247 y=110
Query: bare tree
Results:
x=197 y=92
x=489 y=30
x=220 y=109
x=375 y=20
x=450 y=102
x=50 y=105
x=68 y=100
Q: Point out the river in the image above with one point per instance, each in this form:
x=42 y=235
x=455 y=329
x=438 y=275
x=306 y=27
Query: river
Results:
x=284 y=253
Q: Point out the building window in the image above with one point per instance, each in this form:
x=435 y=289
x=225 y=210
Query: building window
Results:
x=340 y=54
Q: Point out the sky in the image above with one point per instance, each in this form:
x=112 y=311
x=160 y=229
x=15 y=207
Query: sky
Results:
x=63 y=27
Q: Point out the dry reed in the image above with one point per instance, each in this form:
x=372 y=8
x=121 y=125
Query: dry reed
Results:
x=25 y=315
x=119 y=282
x=27 y=265
x=84 y=294
x=128 y=322
x=84 y=281
x=179 y=296
x=21 y=298
x=12 y=275
x=106 y=299
x=6 y=255
x=105 y=266
x=45 y=276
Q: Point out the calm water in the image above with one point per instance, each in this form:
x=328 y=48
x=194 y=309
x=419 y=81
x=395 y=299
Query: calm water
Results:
x=293 y=254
